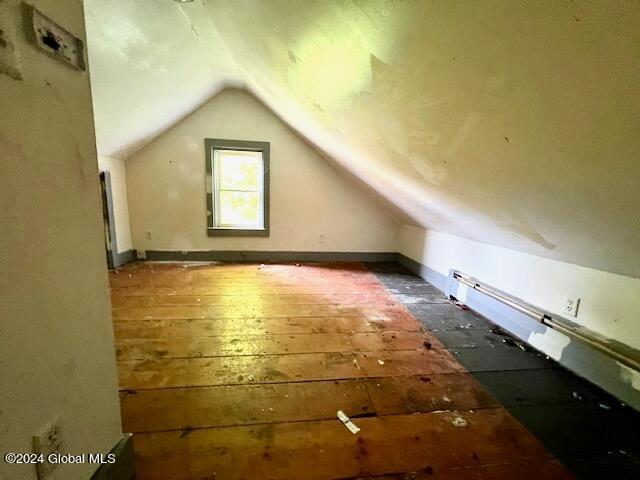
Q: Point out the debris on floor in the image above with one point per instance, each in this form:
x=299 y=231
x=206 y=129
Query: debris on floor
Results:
x=414 y=396
x=453 y=328
x=459 y=422
x=512 y=343
x=459 y=304
x=347 y=422
x=499 y=331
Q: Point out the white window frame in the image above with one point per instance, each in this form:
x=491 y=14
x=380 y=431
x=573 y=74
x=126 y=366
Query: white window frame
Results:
x=217 y=190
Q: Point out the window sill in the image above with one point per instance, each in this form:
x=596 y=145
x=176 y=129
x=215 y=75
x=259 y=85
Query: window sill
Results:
x=231 y=232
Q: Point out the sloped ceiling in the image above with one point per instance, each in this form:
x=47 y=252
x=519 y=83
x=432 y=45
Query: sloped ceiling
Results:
x=512 y=123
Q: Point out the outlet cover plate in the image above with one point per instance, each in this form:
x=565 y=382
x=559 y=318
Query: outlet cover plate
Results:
x=48 y=442
x=55 y=40
x=571 y=305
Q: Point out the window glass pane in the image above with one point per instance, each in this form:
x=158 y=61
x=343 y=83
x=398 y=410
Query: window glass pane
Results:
x=240 y=209
x=239 y=170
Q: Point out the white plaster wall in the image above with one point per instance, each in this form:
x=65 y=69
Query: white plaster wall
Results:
x=510 y=123
x=57 y=358
x=116 y=167
x=609 y=302
x=309 y=197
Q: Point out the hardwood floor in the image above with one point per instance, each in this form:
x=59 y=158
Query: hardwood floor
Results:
x=236 y=371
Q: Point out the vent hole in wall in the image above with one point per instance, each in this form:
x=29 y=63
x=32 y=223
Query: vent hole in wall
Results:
x=49 y=39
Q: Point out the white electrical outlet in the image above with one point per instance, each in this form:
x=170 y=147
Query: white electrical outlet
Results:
x=48 y=442
x=571 y=305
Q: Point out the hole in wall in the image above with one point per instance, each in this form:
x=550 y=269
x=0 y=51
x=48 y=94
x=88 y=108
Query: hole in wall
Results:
x=49 y=39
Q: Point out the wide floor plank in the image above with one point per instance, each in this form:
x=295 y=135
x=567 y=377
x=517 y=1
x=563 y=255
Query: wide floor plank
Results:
x=265 y=325
x=327 y=450
x=186 y=372
x=120 y=300
x=251 y=290
x=232 y=405
x=238 y=345
x=252 y=311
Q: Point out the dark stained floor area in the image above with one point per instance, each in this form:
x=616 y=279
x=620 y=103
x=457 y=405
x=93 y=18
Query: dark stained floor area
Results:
x=237 y=371
x=588 y=430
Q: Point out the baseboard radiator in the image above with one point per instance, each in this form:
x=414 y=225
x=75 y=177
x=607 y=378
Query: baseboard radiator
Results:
x=629 y=357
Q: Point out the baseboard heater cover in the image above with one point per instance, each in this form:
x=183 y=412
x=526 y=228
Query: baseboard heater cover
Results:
x=615 y=350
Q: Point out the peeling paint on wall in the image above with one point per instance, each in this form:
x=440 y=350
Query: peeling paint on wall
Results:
x=455 y=113
x=630 y=376
x=551 y=342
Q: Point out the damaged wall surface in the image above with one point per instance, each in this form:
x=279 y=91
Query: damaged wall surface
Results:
x=609 y=302
x=512 y=124
x=57 y=356
x=511 y=128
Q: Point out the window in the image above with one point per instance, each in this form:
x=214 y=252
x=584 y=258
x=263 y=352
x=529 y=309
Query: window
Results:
x=237 y=187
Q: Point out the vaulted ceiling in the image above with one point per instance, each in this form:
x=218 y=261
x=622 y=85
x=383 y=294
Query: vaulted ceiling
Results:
x=512 y=123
